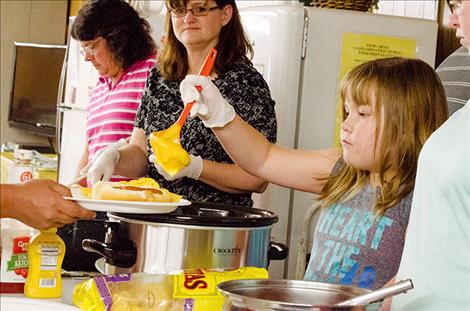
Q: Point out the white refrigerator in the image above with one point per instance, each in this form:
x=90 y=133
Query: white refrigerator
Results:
x=78 y=80
x=302 y=53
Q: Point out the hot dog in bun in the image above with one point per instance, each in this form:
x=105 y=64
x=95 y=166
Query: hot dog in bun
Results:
x=106 y=190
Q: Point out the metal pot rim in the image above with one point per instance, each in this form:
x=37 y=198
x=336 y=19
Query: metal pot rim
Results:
x=210 y=214
x=183 y=226
x=228 y=290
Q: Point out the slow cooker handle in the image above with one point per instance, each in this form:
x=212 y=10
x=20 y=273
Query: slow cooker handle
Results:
x=277 y=251
x=120 y=253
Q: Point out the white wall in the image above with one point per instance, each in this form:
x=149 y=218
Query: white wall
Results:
x=35 y=21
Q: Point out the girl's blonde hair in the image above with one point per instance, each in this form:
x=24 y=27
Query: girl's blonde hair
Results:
x=411 y=102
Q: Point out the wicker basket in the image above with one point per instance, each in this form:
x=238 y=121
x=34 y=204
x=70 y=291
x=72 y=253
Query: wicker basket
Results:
x=357 y=5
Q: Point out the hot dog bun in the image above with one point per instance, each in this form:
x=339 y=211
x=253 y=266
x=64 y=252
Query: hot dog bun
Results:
x=106 y=190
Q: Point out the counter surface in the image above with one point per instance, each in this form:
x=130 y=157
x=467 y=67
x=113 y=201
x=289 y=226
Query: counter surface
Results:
x=10 y=302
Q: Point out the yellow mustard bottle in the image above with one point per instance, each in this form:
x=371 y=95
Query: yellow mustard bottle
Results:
x=46 y=252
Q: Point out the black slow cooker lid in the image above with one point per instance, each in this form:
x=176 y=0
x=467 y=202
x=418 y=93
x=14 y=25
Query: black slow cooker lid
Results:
x=210 y=214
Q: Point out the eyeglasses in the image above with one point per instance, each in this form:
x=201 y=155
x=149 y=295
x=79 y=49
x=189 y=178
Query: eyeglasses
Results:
x=196 y=11
x=90 y=49
x=454 y=5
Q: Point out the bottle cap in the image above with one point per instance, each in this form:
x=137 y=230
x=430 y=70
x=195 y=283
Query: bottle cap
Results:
x=50 y=230
x=23 y=154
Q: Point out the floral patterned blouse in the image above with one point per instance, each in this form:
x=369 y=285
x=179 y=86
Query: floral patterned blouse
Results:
x=243 y=87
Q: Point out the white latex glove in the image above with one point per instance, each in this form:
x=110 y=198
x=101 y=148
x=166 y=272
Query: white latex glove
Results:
x=210 y=106
x=103 y=164
x=193 y=170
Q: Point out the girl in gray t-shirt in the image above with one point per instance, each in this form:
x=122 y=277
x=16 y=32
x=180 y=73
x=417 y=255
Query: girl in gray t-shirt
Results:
x=354 y=246
x=391 y=107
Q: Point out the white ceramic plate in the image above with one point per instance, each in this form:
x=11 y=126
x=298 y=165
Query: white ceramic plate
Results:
x=130 y=207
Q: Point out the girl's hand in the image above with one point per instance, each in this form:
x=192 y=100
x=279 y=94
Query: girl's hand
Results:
x=210 y=106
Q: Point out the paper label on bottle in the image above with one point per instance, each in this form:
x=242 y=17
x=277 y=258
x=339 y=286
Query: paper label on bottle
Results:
x=49 y=257
x=19 y=173
x=47 y=283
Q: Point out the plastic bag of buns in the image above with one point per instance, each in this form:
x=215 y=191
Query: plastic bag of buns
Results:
x=190 y=290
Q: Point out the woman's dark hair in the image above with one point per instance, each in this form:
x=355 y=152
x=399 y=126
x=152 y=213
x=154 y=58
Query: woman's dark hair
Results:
x=232 y=46
x=126 y=33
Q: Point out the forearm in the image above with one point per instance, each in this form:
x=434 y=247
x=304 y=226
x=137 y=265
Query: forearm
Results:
x=230 y=178
x=6 y=195
x=296 y=169
x=133 y=162
x=245 y=145
x=40 y=203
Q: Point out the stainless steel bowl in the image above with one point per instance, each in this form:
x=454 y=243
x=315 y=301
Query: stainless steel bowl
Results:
x=285 y=295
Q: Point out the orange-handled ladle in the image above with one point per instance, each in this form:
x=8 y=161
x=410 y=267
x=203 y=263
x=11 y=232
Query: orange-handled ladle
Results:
x=166 y=145
x=205 y=71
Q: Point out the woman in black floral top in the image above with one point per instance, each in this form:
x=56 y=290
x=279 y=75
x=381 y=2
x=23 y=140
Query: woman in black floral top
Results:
x=194 y=27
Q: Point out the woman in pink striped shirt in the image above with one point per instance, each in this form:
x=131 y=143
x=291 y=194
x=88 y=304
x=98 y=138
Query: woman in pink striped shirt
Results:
x=117 y=41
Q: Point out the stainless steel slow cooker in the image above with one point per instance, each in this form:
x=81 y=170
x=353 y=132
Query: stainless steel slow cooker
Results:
x=201 y=235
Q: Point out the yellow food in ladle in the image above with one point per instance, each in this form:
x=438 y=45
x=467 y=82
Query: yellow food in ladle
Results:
x=168 y=151
x=166 y=143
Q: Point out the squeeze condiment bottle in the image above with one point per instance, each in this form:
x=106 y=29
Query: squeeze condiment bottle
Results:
x=22 y=167
x=46 y=252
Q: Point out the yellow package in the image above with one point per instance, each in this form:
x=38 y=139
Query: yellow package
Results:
x=191 y=290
